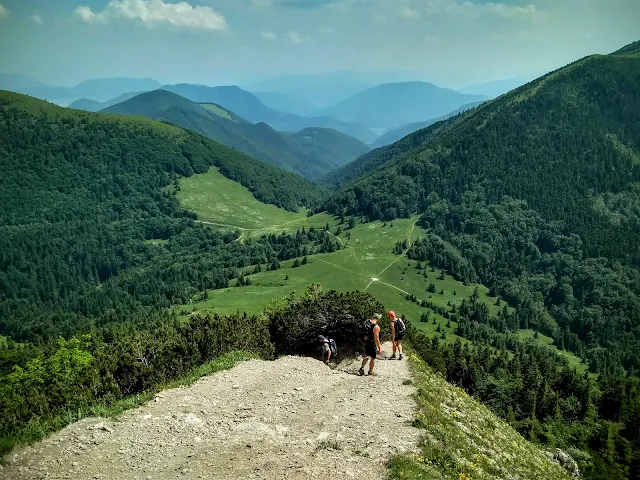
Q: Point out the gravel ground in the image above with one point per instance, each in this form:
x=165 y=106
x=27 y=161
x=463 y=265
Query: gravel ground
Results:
x=292 y=418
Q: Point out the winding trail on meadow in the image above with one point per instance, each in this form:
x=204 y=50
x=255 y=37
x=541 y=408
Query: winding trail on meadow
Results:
x=293 y=418
x=376 y=279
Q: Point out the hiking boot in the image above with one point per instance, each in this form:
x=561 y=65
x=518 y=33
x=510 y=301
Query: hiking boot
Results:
x=400 y=358
x=361 y=372
x=372 y=374
x=392 y=357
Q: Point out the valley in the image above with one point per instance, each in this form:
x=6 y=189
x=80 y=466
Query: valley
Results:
x=367 y=263
x=169 y=249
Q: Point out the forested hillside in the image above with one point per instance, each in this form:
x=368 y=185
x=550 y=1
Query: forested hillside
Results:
x=537 y=195
x=89 y=237
x=309 y=155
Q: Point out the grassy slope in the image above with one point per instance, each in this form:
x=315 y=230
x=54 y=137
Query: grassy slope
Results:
x=368 y=255
x=464 y=440
x=217 y=110
x=226 y=203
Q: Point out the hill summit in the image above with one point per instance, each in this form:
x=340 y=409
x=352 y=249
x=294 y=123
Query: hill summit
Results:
x=315 y=421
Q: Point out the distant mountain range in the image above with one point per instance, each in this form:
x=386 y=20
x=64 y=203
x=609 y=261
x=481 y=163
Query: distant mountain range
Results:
x=393 y=108
x=99 y=90
x=249 y=107
x=311 y=152
x=394 y=135
x=328 y=88
x=94 y=106
x=396 y=104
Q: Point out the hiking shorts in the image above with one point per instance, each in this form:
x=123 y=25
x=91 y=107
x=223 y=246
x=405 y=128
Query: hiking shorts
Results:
x=370 y=351
x=398 y=337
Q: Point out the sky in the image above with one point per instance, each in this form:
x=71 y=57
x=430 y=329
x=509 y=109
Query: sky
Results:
x=448 y=42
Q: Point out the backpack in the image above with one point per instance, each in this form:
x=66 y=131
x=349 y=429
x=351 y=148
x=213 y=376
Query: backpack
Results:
x=331 y=343
x=367 y=331
x=399 y=327
x=333 y=347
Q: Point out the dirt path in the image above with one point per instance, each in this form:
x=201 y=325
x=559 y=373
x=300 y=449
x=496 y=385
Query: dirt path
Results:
x=293 y=418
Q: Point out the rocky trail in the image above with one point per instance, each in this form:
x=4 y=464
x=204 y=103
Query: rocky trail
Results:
x=292 y=418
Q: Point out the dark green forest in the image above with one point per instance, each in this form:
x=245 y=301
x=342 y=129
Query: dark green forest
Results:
x=536 y=195
x=89 y=236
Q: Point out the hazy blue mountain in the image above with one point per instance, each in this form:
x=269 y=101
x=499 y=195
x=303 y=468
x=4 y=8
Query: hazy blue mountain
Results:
x=327 y=89
x=394 y=135
x=103 y=89
x=321 y=89
x=35 y=88
x=311 y=153
x=15 y=82
x=249 y=107
x=287 y=103
x=93 y=106
x=393 y=105
x=496 y=88
x=98 y=90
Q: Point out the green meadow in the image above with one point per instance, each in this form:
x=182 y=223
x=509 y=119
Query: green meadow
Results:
x=224 y=203
x=367 y=262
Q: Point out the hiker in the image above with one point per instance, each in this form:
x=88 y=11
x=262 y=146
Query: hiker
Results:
x=371 y=340
x=329 y=348
x=398 y=330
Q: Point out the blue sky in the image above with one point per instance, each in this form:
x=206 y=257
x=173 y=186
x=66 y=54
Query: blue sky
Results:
x=448 y=42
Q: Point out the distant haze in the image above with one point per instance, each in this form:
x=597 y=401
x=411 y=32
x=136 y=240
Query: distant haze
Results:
x=451 y=43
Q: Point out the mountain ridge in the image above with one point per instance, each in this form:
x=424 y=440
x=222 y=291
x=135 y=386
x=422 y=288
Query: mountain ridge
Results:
x=393 y=105
x=249 y=107
x=311 y=159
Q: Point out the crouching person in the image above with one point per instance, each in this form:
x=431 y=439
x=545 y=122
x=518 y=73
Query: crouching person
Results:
x=328 y=348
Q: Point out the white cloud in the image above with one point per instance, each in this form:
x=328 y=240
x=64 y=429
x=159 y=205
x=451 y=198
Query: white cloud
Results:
x=3 y=11
x=156 y=12
x=269 y=36
x=296 y=38
x=472 y=9
x=36 y=19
